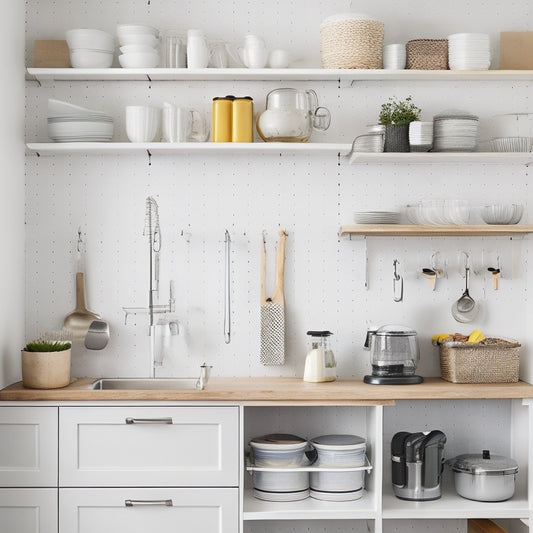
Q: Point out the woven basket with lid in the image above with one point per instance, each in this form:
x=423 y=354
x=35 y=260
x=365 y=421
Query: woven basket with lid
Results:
x=352 y=40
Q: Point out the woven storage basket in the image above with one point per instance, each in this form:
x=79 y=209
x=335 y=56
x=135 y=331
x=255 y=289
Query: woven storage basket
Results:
x=427 y=54
x=464 y=362
x=348 y=42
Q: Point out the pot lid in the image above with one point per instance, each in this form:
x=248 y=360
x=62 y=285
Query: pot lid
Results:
x=395 y=330
x=483 y=464
x=338 y=442
x=278 y=441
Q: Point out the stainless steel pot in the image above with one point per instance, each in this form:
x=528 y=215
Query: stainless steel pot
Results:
x=483 y=477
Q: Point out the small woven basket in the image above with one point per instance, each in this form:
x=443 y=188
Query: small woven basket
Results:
x=351 y=43
x=427 y=54
x=495 y=362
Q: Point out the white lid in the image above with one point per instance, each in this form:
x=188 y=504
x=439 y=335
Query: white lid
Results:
x=338 y=442
x=278 y=441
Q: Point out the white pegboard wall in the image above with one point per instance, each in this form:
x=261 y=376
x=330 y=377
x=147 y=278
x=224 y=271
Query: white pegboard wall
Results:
x=310 y=196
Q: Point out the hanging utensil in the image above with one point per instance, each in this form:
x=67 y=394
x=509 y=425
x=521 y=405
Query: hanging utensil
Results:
x=272 y=309
x=227 y=289
x=495 y=276
x=98 y=335
x=80 y=320
x=431 y=276
x=465 y=309
x=397 y=283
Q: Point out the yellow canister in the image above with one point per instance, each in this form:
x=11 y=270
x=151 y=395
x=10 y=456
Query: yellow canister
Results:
x=221 y=119
x=243 y=120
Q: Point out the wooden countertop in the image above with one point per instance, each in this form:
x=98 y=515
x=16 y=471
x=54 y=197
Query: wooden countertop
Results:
x=280 y=391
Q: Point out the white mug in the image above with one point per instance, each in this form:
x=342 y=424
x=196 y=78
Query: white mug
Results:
x=142 y=123
x=279 y=58
x=183 y=124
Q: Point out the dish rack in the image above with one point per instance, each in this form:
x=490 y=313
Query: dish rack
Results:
x=250 y=467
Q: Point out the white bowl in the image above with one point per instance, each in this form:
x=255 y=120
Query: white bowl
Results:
x=138 y=38
x=139 y=60
x=85 y=58
x=123 y=29
x=142 y=123
x=138 y=48
x=512 y=144
x=91 y=39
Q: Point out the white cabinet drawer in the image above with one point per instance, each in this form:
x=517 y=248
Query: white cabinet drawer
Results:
x=148 y=446
x=28 y=446
x=201 y=510
x=28 y=510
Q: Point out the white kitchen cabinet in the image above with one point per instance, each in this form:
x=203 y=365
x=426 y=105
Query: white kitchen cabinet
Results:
x=28 y=446
x=135 y=510
x=148 y=446
x=28 y=510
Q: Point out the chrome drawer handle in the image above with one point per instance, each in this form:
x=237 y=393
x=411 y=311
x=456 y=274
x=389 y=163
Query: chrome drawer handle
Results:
x=164 y=420
x=131 y=503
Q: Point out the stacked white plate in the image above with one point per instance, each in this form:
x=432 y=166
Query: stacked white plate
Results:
x=420 y=136
x=369 y=142
x=377 y=217
x=455 y=131
x=71 y=123
x=469 y=51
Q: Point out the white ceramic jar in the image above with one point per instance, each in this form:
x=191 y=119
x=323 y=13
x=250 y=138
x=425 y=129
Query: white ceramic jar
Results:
x=197 y=49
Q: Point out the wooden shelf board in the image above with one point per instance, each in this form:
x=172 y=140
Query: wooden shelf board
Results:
x=413 y=230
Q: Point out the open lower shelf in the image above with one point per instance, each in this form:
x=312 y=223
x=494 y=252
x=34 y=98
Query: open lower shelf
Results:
x=431 y=158
x=309 y=509
x=264 y=74
x=187 y=148
x=413 y=230
x=451 y=505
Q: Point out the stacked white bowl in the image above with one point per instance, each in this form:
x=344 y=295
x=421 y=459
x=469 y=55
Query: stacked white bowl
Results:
x=278 y=451
x=72 y=123
x=338 y=452
x=469 y=51
x=90 y=48
x=139 y=46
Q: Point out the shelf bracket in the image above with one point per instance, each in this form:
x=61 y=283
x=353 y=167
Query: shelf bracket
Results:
x=149 y=158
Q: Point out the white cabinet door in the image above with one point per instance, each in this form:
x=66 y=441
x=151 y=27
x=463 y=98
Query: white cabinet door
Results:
x=28 y=510
x=148 y=446
x=28 y=446
x=149 y=510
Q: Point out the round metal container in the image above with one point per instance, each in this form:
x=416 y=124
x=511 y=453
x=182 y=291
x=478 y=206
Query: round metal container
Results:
x=483 y=477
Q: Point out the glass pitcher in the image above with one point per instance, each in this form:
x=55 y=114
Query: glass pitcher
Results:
x=291 y=115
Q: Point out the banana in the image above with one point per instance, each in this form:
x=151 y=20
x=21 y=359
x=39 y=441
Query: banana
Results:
x=476 y=336
x=437 y=338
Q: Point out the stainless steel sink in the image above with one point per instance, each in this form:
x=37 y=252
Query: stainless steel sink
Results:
x=147 y=384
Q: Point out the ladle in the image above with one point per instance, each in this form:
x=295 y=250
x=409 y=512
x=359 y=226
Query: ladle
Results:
x=465 y=308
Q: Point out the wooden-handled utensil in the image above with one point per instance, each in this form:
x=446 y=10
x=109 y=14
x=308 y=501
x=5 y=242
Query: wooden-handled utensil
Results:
x=79 y=321
x=272 y=309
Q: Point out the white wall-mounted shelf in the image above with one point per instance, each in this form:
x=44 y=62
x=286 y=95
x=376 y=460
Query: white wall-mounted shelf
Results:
x=305 y=74
x=115 y=148
x=414 y=230
x=432 y=158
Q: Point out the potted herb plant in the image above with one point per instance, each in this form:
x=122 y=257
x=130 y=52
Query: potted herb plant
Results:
x=46 y=364
x=396 y=115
